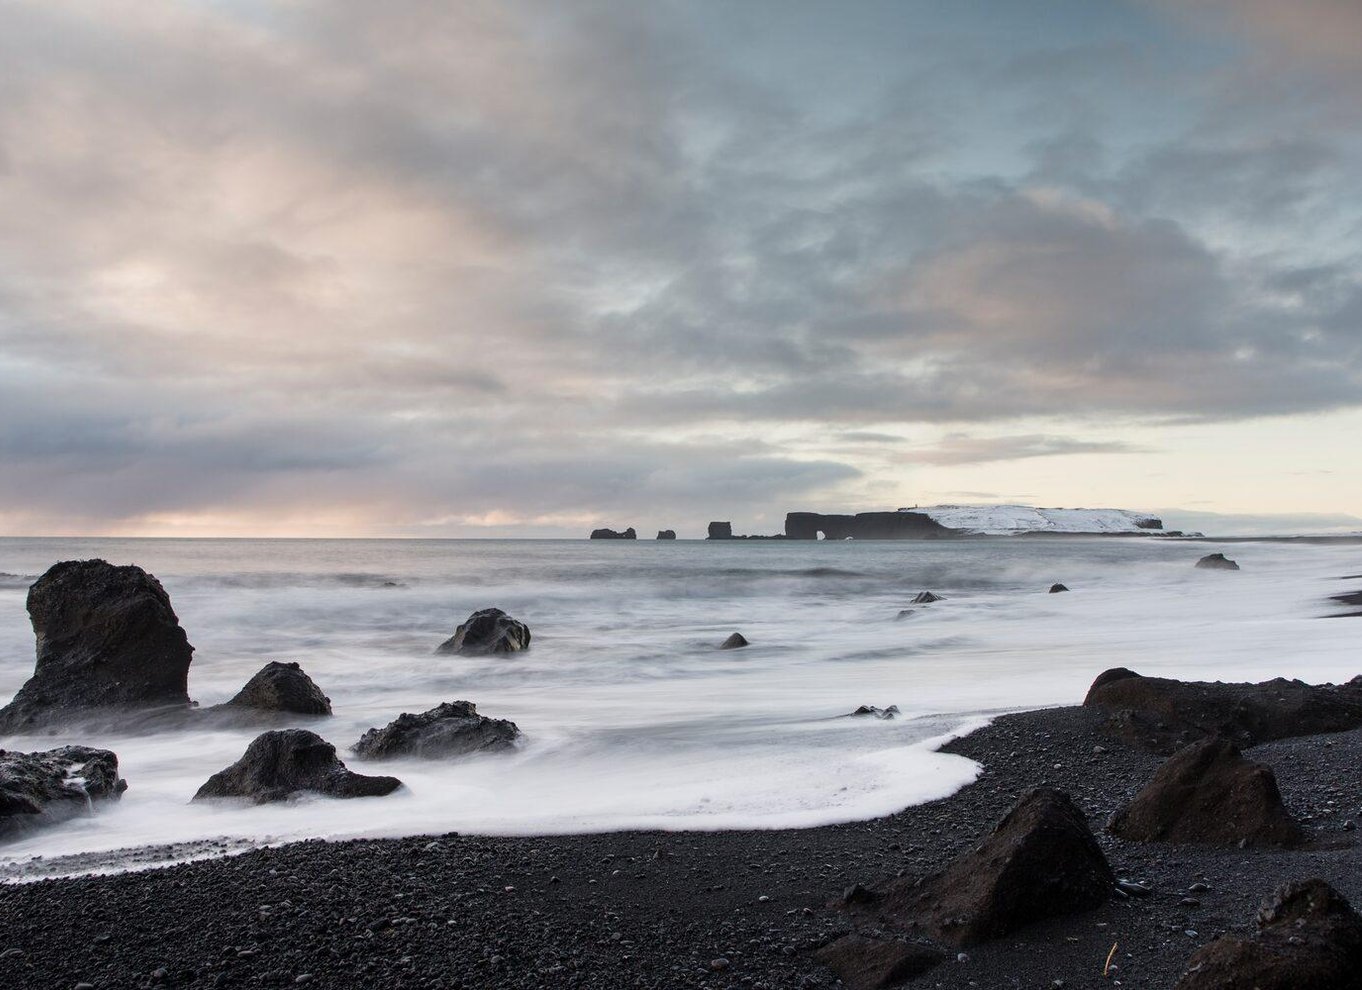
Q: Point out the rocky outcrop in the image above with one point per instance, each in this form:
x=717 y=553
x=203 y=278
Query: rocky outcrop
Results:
x=872 y=711
x=282 y=687
x=1164 y=715
x=1039 y=862
x=1057 y=588
x=1308 y=938
x=285 y=762
x=734 y=642
x=107 y=638
x=38 y=789
x=610 y=534
x=865 y=962
x=489 y=630
x=1208 y=793
x=450 y=729
x=866 y=526
x=1217 y=562
x=720 y=531
x=666 y=534
x=927 y=597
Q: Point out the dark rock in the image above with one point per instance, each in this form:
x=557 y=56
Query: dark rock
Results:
x=666 y=534
x=735 y=642
x=865 y=963
x=1208 y=793
x=864 y=710
x=720 y=531
x=38 y=789
x=610 y=534
x=282 y=687
x=1039 y=862
x=904 y=613
x=450 y=729
x=1308 y=938
x=1057 y=588
x=488 y=631
x=866 y=526
x=927 y=597
x=1164 y=715
x=1217 y=562
x=279 y=764
x=107 y=638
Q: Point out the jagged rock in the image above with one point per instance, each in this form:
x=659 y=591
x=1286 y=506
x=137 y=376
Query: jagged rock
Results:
x=735 y=642
x=865 y=963
x=279 y=764
x=863 y=710
x=107 y=638
x=927 y=597
x=1164 y=715
x=666 y=534
x=1208 y=793
x=720 y=531
x=282 y=687
x=489 y=630
x=1040 y=861
x=1217 y=562
x=450 y=729
x=38 y=789
x=1308 y=938
x=1057 y=588
x=610 y=534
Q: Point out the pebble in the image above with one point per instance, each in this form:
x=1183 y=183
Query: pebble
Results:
x=719 y=965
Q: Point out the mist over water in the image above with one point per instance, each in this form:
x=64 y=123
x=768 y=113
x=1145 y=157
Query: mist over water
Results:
x=632 y=717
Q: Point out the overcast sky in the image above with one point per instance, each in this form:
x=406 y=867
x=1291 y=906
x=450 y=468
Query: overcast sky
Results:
x=507 y=268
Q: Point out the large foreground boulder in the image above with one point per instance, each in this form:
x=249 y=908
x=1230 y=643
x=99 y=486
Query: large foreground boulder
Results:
x=1040 y=861
x=285 y=762
x=39 y=789
x=489 y=630
x=451 y=729
x=1308 y=938
x=282 y=687
x=1163 y=715
x=864 y=962
x=106 y=638
x=1216 y=562
x=1209 y=793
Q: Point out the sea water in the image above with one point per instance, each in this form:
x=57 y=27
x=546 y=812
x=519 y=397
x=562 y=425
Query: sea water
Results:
x=632 y=718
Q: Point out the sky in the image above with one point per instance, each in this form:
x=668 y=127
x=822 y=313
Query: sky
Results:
x=501 y=268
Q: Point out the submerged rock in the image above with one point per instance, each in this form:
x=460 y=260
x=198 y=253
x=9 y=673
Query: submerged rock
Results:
x=1217 y=562
x=450 y=729
x=904 y=613
x=279 y=764
x=282 y=687
x=864 y=710
x=107 y=638
x=1308 y=938
x=927 y=597
x=1208 y=793
x=489 y=630
x=610 y=534
x=38 y=789
x=735 y=642
x=1057 y=588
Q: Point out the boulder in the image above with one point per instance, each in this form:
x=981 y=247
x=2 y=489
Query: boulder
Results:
x=927 y=597
x=1217 y=562
x=1057 y=588
x=489 y=630
x=1308 y=938
x=107 y=638
x=450 y=729
x=666 y=534
x=1163 y=715
x=735 y=642
x=38 y=789
x=1208 y=793
x=865 y=962
x=282 y=687
x=720 y=531
x=285 y=762
x=1039 y=862
x=865 y=710
x=610 y=534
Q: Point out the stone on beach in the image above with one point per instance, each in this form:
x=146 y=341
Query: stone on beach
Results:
x=285 y=762
x=282 y=687
x=864 y=962
x=38 y=789
x=489 y=630
x=450 y=729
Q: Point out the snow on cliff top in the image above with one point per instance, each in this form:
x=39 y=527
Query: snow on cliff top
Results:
x=1005 y=520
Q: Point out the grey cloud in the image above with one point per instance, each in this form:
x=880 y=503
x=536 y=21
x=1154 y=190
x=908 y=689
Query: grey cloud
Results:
x=960 y=448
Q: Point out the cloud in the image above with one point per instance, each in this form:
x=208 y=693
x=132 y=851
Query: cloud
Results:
x=960 y=448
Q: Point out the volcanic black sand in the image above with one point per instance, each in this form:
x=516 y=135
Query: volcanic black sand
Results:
x=650 y=909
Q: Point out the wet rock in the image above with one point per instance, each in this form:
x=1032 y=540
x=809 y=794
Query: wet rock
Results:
x=450 y=729
x=38 y=789
x=282 y=687
x=904 y=613
x=864 y=962
x=1217 y=562
x=1308 y=938
x=107 y=638
x=1209 y=793
x=279 y=764
x=927 y=597
x=489 y=630
x=1039 y=862
x=610 y=534
x=735 y=642
x=666 y=534
x=871 y=710
x=1057 y=588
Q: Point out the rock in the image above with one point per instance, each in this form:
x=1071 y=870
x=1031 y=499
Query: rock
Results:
x=1039 y=862
x=282 y=687
x=610 y=534
x=489 y=630
x=107 y=638
x=38 y=789
x=450 y=729
x=927 y=597
x=1217 y=562
x=866 y=963
x=279 y=764
x=1163 y=715
x=720 y=531
x=904 y=613
x=1208 y=793
x=734 y=642
x=864 y=710
x=1308 y=938
x=1057 y=588
x=666 y=534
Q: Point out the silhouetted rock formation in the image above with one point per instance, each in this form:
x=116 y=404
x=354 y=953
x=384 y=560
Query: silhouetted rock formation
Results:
x=666 y=534
x=610 y=534
x=881 y=713
x=107 y=638
x=489 y=630
x=720 y=531
x=38 y=789
x=1217 y=562
x=450 y=729
x=279 y=764
x=866 y=526
x=735 y=642
x=1208 y=793
x=282 y=687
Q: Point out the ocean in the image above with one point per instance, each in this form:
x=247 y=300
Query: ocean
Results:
x=632 y=718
